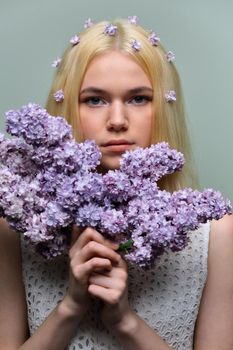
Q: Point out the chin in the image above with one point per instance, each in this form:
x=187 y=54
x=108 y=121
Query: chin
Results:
x=112 y=164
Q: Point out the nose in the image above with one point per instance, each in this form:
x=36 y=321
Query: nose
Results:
x=117 y=117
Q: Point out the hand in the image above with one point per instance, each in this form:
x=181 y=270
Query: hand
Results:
x=111 y=287
x=90 y=253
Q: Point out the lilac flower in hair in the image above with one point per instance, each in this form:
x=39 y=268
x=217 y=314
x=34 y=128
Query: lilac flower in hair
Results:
x=154 y=39
x=110 y=29
x=88 y=23
x=75 y=40
x=170 y=96
x=136 y=45
x=59 y=96
x=56 y=62
x=170 y=56
x=133 y=20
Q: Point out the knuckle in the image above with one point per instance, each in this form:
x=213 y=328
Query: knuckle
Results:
x=75 y=267
x=123 y=275
x=89 y=231
x=121 y=286
x=95 y=262
x=76 y=271
x=91 y=245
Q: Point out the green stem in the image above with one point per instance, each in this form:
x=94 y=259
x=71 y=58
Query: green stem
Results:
x=124 y=247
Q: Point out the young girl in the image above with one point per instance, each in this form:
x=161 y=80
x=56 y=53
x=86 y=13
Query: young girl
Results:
x=120 y=88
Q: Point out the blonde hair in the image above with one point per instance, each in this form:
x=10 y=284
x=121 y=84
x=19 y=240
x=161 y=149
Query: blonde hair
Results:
x=169 y=122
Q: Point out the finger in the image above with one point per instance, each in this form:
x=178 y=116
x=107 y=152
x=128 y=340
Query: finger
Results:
x=92 y=249
x=112 y=245
x=85 y=236
x=83 y=271
x=110 y=296
x=89 y=234
x=116 y=278
x=104 y=281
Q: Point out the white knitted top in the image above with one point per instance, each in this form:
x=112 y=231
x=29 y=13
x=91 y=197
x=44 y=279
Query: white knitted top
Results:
x=166 y=297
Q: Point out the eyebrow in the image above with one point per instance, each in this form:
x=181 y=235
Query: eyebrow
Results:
x=136 y=90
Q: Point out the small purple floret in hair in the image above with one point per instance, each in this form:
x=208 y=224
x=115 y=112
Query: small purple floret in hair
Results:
x=88 y=23
x=136 y=45
x=133 y=20
x=154 y=39
x=170 y=56
x=110 y=29
x=170 y=96
x=56 y=62
x=75 y=40
x=59 y=96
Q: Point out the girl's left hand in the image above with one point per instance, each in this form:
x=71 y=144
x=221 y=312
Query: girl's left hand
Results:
x=111 y=288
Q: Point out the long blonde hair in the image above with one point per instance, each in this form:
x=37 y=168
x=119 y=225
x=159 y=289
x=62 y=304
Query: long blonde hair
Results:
x=169 y=122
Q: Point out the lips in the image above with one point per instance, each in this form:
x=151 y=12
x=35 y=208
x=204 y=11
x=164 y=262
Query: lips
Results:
x=117 y=146
x=117 y=142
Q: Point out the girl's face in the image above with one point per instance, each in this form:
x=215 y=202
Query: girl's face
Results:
x=115 y=106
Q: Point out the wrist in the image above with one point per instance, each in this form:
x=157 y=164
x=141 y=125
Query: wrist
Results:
x=68 y=308
x=128 y=325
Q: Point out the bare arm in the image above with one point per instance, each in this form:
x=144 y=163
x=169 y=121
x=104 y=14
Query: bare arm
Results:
x=13 y=325
x=214 y=328
x=60 y=326
x=134 y=334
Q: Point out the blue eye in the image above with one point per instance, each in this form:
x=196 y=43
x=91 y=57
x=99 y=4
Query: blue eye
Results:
x=140 y=100
x=94 y=101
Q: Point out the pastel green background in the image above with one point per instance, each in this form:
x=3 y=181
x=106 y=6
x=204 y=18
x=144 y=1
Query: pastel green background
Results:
x=34 y=33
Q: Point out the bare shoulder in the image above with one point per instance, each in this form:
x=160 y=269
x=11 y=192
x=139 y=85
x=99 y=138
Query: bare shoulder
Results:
x=215 y=318
x=221 y=243
x=224 y=225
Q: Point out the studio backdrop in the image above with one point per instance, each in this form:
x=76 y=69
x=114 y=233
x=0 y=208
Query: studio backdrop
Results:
x=33 y=33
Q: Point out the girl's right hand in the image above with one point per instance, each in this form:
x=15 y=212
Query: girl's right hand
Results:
x=90 y=252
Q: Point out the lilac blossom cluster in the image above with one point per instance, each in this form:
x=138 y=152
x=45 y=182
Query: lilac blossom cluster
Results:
x=49 y=182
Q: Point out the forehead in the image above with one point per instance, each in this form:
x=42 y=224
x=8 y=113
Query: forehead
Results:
x=115 y=68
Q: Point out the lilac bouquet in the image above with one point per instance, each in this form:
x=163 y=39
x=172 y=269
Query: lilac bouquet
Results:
x=49 y=182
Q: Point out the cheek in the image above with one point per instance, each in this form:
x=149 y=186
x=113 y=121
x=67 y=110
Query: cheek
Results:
x=89 y=128
x=145 y=131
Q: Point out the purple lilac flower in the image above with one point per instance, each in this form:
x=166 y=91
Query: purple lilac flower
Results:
x=133 y=20
x=117 y=185
x=36 y=126
x=89 y=214
x=154 y=39
x=56 y=63
x=59 y=95
x=110 y=29
x=113 y=222
x=170 y=56
x=49 y=182
x=152 y=162
x=170 y=96
x=75 y=40
x=136 y=45
x=88 y=23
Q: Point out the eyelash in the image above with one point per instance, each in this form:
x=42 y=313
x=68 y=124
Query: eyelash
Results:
x=89 y=100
